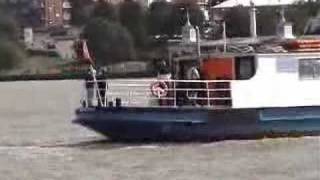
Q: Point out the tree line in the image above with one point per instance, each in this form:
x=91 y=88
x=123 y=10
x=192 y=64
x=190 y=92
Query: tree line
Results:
x=11 y=51
x=122 y=32
x=125 y=31
x=300 y=14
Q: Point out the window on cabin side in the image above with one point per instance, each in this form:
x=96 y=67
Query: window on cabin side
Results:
x=309 y=69
x=245 y=67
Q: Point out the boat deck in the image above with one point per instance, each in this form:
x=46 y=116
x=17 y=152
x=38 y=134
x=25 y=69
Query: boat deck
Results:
x=159 y=93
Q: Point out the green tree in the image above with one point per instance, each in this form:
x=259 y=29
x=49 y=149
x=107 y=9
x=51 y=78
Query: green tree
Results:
x=267 y=20
x=81 y=11
x=159 y=16
x=108 y=41
x=10 y=52
x=132 y=17
x=10 y=55
x=103 y=9
x=237 y=22
x=8 y=25
x=26 y=13
x=196 y=15
x=301 y=13
x=168 y=18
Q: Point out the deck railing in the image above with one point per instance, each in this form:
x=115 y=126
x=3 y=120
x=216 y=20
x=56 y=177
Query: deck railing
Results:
x=158 y=93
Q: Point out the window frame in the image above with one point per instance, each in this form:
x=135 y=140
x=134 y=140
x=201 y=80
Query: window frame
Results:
x=253 y=67
x=313 y=69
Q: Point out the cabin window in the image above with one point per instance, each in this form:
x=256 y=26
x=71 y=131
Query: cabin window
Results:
x=245 y=67
x=287 y=65
x=309 y=69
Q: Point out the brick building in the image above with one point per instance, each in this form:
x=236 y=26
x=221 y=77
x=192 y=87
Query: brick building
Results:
x=144 y=3
x=56 y=13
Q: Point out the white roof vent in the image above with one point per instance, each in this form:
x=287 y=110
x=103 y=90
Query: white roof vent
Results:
x=284 y=28
x=287 y=31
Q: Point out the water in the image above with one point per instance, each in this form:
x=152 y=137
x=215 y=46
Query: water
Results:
x=38 y=141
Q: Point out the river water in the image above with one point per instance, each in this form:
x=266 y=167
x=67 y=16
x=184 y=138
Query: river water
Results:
x=39 y=142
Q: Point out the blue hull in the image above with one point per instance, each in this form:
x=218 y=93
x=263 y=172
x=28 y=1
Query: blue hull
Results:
x=195 y=124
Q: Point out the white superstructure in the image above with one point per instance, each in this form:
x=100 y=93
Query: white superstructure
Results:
x=248 y=3
x=281 y=80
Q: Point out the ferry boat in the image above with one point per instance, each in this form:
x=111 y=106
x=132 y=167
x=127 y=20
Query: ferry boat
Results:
x=257 y=87
x=239 y=95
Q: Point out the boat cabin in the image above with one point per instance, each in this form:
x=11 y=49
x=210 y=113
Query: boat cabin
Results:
x=229 y=80
x=268 y=80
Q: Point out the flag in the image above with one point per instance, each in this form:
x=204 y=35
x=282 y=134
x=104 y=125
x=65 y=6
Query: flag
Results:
x=86 y=54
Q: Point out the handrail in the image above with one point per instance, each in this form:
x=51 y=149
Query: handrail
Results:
x=167 y=80
x=209 y=93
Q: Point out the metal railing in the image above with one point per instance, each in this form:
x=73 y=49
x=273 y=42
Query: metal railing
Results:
x=158 y=93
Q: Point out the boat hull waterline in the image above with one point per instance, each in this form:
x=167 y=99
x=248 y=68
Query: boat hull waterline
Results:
x=198 y=124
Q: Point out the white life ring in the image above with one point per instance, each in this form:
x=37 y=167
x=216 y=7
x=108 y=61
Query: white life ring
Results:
x=159 y=89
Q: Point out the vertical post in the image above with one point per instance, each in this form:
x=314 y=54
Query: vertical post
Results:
x=253 y=21
x=86 y=99
x=129 y=100
x=198 y=46
x=224 y=36
x=170 y=59
x=208 y=94
x=84 y=94
x=175 y=94
x=105 y=94
x=95 y=82
x=281 y=23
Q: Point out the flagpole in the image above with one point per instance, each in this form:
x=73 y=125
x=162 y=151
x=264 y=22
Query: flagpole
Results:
x=96 y=87
x=92 y=70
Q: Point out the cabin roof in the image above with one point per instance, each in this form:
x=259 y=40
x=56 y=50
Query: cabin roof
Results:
x=248 y=3
x=217 y=55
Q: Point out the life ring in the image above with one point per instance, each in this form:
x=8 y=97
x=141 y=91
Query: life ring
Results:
x=159 y=89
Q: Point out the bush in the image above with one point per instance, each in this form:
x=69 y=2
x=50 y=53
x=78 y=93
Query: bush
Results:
x=10 y=52
x=301 y=14
x=168 y=18
x=237 y=22
x=81 y=11
x=104 y=9
x=109 y=41
x=10 y=55
x=132 y=16
x=8 y=26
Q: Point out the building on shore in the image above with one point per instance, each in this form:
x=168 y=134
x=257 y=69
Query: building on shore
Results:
x=56 y=13
x=144 y=3
x=45 y=13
